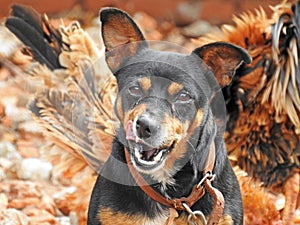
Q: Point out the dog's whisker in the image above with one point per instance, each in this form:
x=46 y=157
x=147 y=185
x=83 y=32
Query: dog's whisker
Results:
x=191 y=146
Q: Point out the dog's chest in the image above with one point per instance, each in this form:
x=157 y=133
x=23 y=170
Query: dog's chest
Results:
x=166 y=220
x=163 y=219
x=160 y=219
x=109 y=217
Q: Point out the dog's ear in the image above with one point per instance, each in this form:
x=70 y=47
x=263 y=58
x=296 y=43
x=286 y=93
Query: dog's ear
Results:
x=223 y=58
x=121 y=36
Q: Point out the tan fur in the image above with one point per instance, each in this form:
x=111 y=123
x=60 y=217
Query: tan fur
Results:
x=185 y=132
x=226 y=220
x=197 y=121
x=174 y=127
x=176 y=130
x=183 y=220
x=145 y=83
x=174 y=88
x=108 y=217
x=177 y=153
x=134 y=113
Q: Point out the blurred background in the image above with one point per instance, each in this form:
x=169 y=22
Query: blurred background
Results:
x=180 y=11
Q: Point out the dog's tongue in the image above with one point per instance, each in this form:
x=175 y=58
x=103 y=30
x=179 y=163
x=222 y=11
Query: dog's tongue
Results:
x=129 y=131
x=149 y=153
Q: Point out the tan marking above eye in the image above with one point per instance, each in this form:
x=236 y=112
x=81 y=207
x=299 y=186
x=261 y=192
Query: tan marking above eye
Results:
x=174 y=88
x=145 y=83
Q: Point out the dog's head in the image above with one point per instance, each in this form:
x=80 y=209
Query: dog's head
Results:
x=163 y=99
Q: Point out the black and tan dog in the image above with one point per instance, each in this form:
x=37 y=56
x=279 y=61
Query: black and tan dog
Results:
x=168 y=140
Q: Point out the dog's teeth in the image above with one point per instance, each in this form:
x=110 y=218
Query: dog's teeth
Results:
x=158 y=157
x=138 y=154
x=149 y=163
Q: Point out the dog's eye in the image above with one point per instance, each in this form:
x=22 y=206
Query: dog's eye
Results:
x=184 y=97
x=135 y=90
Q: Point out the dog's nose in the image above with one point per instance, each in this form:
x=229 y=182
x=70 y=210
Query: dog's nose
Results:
x=146 y=127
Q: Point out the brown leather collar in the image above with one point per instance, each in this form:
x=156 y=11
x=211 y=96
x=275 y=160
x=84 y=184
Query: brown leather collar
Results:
x=196 y=194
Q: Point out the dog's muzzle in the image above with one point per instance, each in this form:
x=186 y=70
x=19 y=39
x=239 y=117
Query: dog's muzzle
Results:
x=146 y=142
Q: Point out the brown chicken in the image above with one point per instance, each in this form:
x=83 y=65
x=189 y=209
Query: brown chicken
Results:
x=79 y=121
x=263 y=128
x=263 y=101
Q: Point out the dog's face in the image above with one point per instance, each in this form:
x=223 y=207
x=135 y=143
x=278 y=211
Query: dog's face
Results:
x=161 y=107
x=158 y=114
x=163 y=97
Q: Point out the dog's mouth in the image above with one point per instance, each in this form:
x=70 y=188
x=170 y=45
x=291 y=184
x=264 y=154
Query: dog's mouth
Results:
x=143 y=154
x=149 y=157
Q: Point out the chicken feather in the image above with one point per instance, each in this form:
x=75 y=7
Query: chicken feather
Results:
x=262 y=135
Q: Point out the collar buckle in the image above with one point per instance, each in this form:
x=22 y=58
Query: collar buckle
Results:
x=208 y=176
